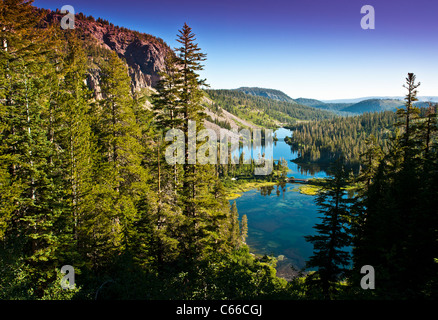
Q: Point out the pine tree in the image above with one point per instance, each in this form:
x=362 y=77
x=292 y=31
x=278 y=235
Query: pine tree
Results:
x=329 y=255
x=71 y=133
x=156 y=231
x=190 y=59
x=166 y=102
x=244 y=228
x=168 y=112
x=119 y=174
x=25 y=147
x=410 y=113
x=427 y=129
x=398 y=236
x=202 y=210
x=406 y=188
x=235 y=240
x=371 y=165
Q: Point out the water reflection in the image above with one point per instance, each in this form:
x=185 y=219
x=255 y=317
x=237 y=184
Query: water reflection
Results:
x=278 y=219
x=312 y=169
x=281 y=150
x=280 y=188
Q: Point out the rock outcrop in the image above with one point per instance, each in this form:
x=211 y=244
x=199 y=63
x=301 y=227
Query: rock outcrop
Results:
x=143 y=53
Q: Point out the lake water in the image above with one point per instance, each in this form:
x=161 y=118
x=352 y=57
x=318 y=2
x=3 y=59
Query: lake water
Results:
x=279 y=218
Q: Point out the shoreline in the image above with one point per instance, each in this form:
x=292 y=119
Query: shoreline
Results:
x=237 y=189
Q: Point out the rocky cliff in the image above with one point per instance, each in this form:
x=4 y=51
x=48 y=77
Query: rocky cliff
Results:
x=143 y=53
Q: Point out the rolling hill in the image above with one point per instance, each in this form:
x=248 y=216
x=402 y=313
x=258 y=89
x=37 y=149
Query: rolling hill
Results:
x=262 y=110
x=352 y=106
x=335 y=107
x=375 y=105
x=267 y=93
x=356 y=100
x=367 y=105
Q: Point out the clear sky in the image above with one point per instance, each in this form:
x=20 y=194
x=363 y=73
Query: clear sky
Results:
x=306 y=48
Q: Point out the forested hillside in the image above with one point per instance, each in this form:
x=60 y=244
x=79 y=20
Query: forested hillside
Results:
x=264 y=111
x=84 y=181
x=326 y=140
x=390 y=221
x=365 y=105
x=323 y=105
x=374 y=105
x=268 y=93
x=395 y=215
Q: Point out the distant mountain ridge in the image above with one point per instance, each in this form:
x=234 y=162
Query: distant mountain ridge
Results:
x=264 y=110
x=323 y=105
x=368 y=105
x=268 y=93
x=356 y=100
x=340 y=106
x=375 y=105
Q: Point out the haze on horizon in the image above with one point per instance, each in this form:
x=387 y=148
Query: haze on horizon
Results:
x=313 y=49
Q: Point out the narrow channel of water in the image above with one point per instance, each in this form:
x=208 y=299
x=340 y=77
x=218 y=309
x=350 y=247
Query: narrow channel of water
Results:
x=279 y=218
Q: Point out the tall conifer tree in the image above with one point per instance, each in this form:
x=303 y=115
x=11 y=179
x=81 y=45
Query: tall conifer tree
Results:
x=329 y=254
x=398 y=236
x=25 y=148
x=121 y=178
x=75 y=148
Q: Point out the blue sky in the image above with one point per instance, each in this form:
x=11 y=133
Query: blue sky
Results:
x=306 y=48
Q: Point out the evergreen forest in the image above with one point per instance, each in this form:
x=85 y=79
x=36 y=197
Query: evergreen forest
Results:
x=85 y=182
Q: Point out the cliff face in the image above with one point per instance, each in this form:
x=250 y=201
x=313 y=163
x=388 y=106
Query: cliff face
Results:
x=143 y=53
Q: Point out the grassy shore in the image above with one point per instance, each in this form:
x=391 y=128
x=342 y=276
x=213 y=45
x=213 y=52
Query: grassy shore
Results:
x=237 y=187
x=310 y=190
x=316 y=184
